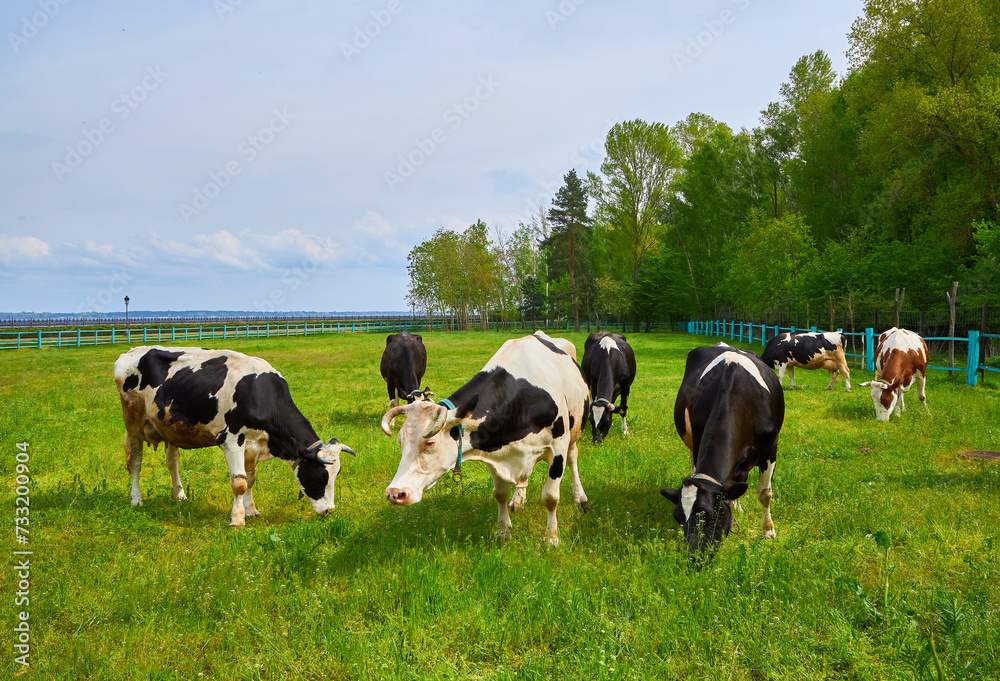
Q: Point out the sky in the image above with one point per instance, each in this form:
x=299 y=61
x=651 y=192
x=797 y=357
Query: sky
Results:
x=286 y=156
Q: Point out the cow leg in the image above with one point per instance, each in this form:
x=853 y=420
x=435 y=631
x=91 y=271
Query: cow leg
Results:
x=248 y=506
x=764 y=495
x=833 y=377
x=133 y=464
x=902 y=404
x=550 y=500
x=781 y=372
x=579 y=495
x=520 y=498
x=173 y=456
x=236 y=463
x=844 y=369
x=921 y=380
x=791 y=376
x=623 y=409
x=501 y=492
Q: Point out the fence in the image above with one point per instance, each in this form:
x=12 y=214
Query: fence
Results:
x=753 y=333
x=49 y=338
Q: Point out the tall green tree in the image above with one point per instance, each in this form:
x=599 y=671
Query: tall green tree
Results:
x=633 y=188
x=567 y=242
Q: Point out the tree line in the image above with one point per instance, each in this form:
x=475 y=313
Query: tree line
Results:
x=850 y=190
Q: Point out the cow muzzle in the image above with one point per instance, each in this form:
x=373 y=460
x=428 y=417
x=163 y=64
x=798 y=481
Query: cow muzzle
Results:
x=401 y=497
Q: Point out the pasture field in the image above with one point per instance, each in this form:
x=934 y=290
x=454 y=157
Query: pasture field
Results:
x=886 y=564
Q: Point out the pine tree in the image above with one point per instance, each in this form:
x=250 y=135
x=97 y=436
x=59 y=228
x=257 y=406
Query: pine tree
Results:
x=567 y=243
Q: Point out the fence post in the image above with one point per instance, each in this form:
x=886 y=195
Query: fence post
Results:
x=144 y=335
x=870 y=349
x=972 y=363
x=112 y=337
x=78 y=338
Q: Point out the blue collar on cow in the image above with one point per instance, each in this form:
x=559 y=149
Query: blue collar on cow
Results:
x=702 y=476
x=601 y=399
x=456 y=473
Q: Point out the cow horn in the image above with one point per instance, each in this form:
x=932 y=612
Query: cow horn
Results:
x=345 y=448
x=439 y=422
x=389 y=416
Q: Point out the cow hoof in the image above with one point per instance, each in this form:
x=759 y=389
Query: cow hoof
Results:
x=552 y=541
x=770 y=534
x=503 y=533
x=180 y=496
x=253 y=514
x=136 y=502
x=236 y=525
x=585 y=505
x=515 y=505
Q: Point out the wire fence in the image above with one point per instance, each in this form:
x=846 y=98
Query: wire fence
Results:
x=62 y=338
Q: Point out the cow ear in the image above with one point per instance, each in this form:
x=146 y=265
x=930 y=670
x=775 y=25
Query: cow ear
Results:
x=464 y=410
x=734 y=490
x=672 y=495
x=865 y=384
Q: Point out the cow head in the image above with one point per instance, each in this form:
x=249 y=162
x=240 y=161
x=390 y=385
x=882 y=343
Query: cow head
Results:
x=884 y=396
x=702 y=507
x=317 y=472
x=429 y=441
x=600 y=418
x=418 y=394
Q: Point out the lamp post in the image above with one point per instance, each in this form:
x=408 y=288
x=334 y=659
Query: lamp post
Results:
x=126 y=312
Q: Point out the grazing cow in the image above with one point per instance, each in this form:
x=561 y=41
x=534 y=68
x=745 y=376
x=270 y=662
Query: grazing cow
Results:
x=809 y=350
x=526 y=405
x=728 y=412
x=191 y=397
x=404 y=362
x=609 y=367
x=900 y=358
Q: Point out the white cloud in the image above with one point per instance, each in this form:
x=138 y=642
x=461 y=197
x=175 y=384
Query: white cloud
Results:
x=223 y=248
x=14 y=250
x=374 y=224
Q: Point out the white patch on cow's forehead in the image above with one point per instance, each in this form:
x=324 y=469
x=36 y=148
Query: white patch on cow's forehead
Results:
x=608 y=343
x=742 y=360
x=598 y=413
x=689 y=493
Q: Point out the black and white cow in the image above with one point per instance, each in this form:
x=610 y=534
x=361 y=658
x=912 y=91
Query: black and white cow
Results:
x=609 y=367
x=526 y=405
x=189 y=398
x=728 y=412
x=404 y=362
x=808 y=350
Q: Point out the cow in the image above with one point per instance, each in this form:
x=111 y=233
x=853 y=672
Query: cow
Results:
x=526 y=405
x=192 y=397
x=404 y=362
x=809 y=350
x=609 y=367
x=729 y=411
x=900 y=359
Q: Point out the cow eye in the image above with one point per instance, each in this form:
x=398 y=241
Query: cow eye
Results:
x=429 y=443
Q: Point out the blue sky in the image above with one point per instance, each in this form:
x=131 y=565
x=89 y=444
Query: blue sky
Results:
x=252 y=155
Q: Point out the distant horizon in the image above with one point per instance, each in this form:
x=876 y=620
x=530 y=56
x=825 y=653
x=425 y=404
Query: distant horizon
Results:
x=203 y=313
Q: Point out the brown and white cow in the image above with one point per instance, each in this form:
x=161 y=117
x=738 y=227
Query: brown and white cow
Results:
x=189 y=398
x=528 y=404
x=729 y=411
x=900 y=359
x=808 y=350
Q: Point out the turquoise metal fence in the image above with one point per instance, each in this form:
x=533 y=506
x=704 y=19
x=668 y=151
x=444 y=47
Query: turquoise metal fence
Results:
x=760 y=334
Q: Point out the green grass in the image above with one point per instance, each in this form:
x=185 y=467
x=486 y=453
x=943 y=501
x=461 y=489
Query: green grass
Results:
x=168 y=591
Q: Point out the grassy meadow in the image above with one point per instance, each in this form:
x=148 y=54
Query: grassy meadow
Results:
x=885 y=566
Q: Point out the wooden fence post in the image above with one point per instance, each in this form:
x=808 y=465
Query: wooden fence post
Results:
x=972 y=361
x=870 y=349
x=951 y=325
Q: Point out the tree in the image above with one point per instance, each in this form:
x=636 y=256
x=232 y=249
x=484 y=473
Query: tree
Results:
x=634 y=186
x=567 y=242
